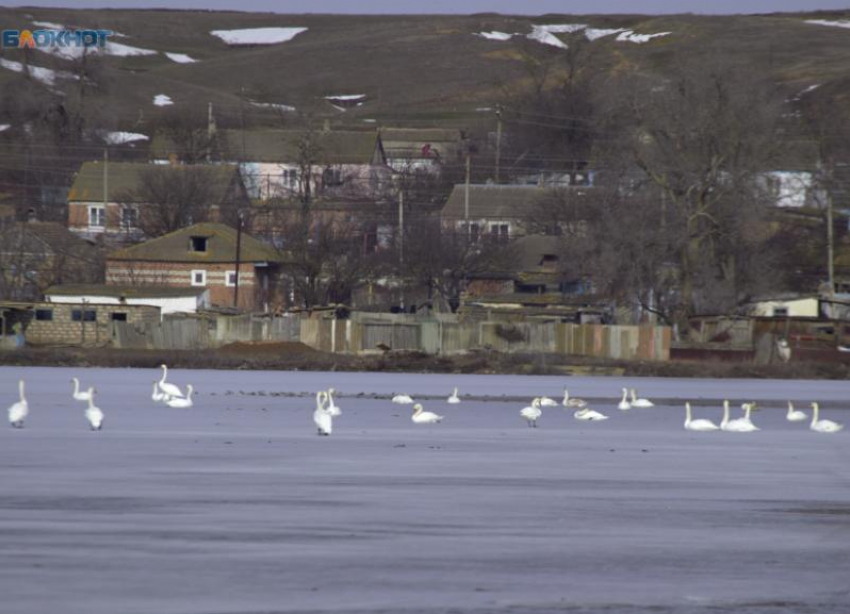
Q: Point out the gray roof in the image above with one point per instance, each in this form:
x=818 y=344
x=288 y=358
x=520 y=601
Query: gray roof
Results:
x=494 y=201
x=122 y=291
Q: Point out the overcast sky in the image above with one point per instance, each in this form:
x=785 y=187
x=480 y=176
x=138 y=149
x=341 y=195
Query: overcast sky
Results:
x=524 y=7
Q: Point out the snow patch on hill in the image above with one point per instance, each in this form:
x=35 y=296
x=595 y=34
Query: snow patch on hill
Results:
x=257 y=36
x=161 y=100
x=46 y=76
x=180 y=58
x=844 y=23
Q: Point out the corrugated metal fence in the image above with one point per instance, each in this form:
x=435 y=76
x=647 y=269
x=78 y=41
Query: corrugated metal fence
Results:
x=363 y=333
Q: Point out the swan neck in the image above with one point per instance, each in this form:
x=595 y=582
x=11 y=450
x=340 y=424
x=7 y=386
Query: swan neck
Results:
x=21 y=389
x=687 y=413
x=725 y=413
x=815 y=408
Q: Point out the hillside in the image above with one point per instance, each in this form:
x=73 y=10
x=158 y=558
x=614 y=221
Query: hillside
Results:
x=416 y=70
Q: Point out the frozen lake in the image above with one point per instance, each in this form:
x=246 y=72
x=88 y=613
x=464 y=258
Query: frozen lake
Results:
x=235 y=506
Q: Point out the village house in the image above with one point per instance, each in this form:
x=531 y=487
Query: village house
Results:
x=107 y=198
x=497 y=211
x=341 y=165
x=204 y=256
x=36 y=255
x=422 y=149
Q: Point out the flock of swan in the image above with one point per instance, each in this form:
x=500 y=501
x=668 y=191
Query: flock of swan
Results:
x=327 y=409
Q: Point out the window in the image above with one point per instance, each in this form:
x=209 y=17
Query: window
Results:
x=44 y=315
x=499 y=232
x=780 y=312
x=230 y=278
x=89 y=315
x=199 y=277
x=129 y=217
x=290 y=178
x=198 y=244
x=97 y=217
x=332 y=177
x=119 y=317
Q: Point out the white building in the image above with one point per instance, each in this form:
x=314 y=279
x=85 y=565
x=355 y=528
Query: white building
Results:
x=168 y=299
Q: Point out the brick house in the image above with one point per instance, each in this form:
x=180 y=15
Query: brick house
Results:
x=105 y=198
x=36 y=255
x=204 y=256
x=344 y=164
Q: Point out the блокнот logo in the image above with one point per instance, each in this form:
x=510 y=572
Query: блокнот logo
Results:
x=40 y=39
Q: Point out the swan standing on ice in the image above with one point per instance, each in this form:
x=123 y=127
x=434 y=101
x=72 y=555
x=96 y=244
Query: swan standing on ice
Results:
x=568 y=402
x=402 y=399
x=80 y=396
x=547 y=402
x=181 y=402
x=94 y=414
x=454 y=399
x=19 y=411
x=321 y=416
x=532 y=413
x=158 y=396
x=624 y=404
x=700 y=424
x=636 y=402
x=795 y=415
x=740 y=425
x=424 y=417
x=333 y=409
x=589 y=415
x=168 y=388
x=823 y=426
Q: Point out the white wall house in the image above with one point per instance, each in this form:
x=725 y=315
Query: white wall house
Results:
x=792 y=307
x=169 y=300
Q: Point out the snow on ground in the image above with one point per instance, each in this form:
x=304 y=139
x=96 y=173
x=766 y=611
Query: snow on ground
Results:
x=4 y=127
x=595 y=33
x=844 y=23
x=495 y=36
x=236 y=505
x=49 y=25
x=161 y=100
x=119 y=138
x=180 y=58
x=111 y=48
x=257 y=36
x=46 y=76
x=274 y=105
x=346 y=97
x=546 y=34
x=631 y=37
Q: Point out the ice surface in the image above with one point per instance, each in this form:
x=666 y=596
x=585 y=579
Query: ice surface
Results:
x=161 y=100
x=257 y=36
x=180 y=58
x=235 y=506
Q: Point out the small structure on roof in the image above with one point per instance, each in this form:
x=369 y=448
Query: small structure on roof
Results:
x=422 y=149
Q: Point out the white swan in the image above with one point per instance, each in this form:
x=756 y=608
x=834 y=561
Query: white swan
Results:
x=454 y=399
x=333 y=409
x=402 y=399
x=589 y=415
x=636 y=402
x=568 y=402
x=823 y=426
x=19 y=411
x=624 y=404
x=168 y=388
x=739 y=425
x=547 y=402
x=532 y=413
x=80 y=396
x=700 y=424
x=94 y=414
x=322 y=418
x=157 y=395
x=424 y=417
x=795 y=415
x=181 y=402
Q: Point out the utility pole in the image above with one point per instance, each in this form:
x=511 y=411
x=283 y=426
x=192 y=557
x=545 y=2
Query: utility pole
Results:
x=466 y=195
x=830 y=254
x=238 y=262
x=105 y=185
x=401 y=246
x=498 y=140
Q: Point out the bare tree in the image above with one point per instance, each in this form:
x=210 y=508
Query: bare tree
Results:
x=188 y=130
